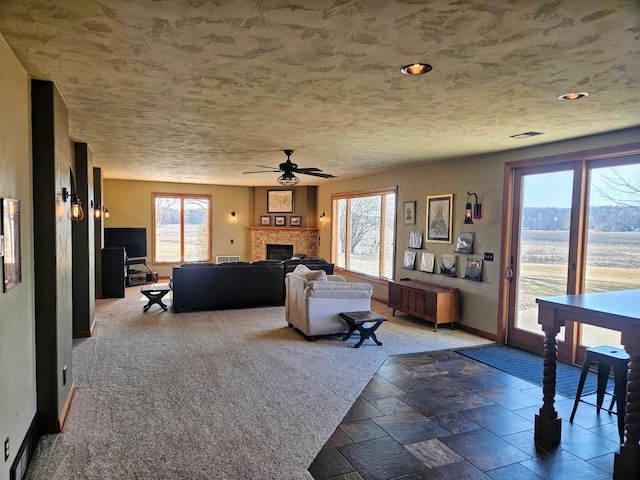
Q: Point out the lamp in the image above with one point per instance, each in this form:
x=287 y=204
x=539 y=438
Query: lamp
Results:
x=106 y=212
x=97 y=210
x=472 y=210
x=76 y=213
x=322 y=217
x=288 y=179
x=234 y=219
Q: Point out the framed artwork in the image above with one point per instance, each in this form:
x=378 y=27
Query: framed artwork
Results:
x=464 y=244
x=409 y=213
x=280 y=221
x=12 y=269
x=473 y=269
x=295 y=220
x=427 y=262
x=280 y=201
x=439 y=218
x=265 y=220
x=448 y=265
x=415 y=240
x=409 y=260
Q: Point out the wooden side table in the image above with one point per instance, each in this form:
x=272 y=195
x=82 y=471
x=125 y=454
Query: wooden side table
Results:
x=362 y=321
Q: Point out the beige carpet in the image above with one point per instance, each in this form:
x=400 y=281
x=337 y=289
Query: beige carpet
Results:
x=231 y=394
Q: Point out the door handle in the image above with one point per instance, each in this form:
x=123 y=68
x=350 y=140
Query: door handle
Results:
x=508 y=273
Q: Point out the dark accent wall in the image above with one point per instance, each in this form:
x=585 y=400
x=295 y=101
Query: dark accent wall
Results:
x=83 y=245
x=99 y=232
x=52 y=163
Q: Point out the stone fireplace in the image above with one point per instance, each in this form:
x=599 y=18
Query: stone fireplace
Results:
x=303 y=240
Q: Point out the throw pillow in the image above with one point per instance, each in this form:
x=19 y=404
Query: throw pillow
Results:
x=317 y=275
x=301 y=269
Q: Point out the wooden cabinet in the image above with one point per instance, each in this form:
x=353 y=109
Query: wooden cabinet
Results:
x=434 y=303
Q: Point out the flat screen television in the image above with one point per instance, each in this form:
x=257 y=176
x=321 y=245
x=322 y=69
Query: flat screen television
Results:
x=133 y=239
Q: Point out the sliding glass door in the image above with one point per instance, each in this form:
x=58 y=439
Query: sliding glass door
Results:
x=612 y=257
x=574 y=228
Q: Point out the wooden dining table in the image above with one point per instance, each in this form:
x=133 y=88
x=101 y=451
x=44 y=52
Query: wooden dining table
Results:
x=619 y=310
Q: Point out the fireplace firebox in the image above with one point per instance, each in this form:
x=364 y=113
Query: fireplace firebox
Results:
x=279 y=252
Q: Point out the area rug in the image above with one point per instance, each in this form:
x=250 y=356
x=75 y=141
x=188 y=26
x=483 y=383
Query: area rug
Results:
x=528 y=366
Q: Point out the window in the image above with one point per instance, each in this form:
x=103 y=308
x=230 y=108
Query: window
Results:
x=364 y=232
x=181 y=228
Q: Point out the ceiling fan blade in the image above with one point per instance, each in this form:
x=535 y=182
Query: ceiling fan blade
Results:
x=306 y=170
x=264 y=171
x=316 y=174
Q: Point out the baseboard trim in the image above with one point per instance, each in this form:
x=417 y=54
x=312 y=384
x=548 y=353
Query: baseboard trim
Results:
x=25 y=452
x=85 y=333
x=67 y=404
x=480 y=333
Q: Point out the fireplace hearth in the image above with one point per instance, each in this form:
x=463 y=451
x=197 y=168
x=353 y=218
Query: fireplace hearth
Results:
x=279 y=252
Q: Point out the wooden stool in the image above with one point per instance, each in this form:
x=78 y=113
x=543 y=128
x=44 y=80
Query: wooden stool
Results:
x=606 y=357
x=155 y=293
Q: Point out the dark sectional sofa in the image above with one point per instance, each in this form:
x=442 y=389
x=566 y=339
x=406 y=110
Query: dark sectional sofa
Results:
x=209 y=286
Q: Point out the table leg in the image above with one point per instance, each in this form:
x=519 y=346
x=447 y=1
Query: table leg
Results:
x=627 y=463
x=351 y=330
x=548 y=427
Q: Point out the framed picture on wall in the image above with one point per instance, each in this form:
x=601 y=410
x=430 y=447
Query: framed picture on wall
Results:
x=265 y=220
x=12 y=268
x=295 y=220
x=439 y=218
x=409 y=213
x=280 y=221
x=280 y=201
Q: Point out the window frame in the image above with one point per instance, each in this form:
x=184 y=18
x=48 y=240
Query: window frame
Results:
x=335 y=235
x=182 y=197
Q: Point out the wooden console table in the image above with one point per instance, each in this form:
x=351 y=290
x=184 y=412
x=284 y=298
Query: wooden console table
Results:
x=431 y=302
x=619 y=311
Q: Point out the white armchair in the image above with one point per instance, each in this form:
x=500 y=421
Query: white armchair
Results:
x=314 y=301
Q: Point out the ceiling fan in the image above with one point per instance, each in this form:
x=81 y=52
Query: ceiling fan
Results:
x=288 y=170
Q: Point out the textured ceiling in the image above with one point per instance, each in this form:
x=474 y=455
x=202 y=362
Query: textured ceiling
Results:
x=201 y=90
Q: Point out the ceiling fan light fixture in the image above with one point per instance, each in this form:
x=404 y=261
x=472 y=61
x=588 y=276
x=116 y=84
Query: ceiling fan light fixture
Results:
x=416 y=69
x=288 y=179
x=573 y=96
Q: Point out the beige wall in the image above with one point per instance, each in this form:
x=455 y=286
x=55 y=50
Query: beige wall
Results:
x=17 y=325
x=304 y=205
x=129 y=203
x=482 y=175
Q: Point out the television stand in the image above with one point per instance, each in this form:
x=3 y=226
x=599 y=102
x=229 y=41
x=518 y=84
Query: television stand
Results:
x=140 y=276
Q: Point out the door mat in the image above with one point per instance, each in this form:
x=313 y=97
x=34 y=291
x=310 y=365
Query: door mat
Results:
x=529 y=366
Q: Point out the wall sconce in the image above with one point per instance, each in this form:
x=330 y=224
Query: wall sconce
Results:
x=472 y=210
x=234 y=219
x=76 y=213
x=106 y=212
x=322 y=218
x=97 y=210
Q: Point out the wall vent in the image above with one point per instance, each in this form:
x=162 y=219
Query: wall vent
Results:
x=226 y=258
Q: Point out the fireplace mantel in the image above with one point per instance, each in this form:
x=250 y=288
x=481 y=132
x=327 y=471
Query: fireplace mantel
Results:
x=304 y=240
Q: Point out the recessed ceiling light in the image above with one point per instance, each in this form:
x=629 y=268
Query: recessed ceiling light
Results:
x=416 y=69
x=526 y=134
x=573 y=96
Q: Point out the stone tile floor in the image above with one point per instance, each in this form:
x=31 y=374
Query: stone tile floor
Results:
x=440 y=415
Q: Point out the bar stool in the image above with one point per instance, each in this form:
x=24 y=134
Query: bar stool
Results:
x=606 y=357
